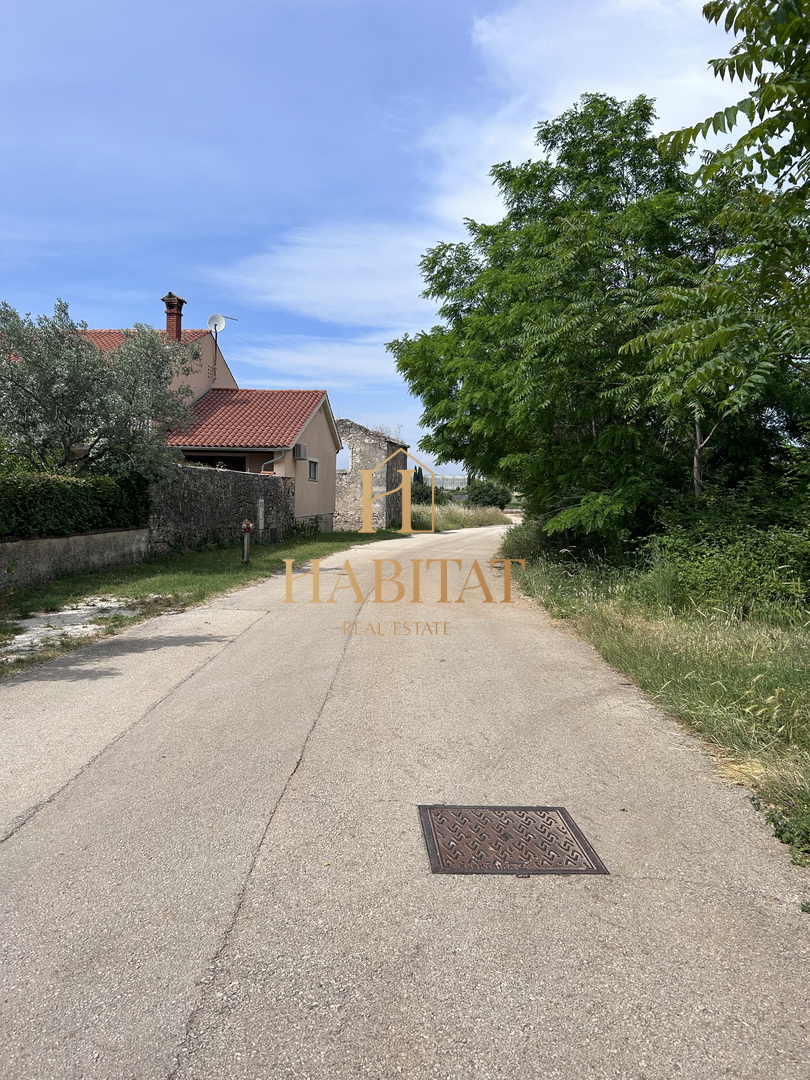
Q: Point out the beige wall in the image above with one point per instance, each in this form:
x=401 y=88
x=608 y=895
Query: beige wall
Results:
x=311 y=496
x=210 y=372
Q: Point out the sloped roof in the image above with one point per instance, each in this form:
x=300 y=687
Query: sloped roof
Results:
x=249 y=418
x=111 y=339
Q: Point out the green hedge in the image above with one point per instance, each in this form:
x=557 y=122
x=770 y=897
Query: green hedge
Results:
x=737 y=566
x=37 y=504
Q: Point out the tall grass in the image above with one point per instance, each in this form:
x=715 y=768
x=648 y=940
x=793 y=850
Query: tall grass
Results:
x=458 y=516
x=736 y=674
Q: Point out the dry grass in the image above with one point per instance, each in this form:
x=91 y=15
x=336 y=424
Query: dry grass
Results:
x=458 y=516
x=742 y=684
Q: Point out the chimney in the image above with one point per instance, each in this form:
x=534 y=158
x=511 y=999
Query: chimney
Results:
x=174 y=316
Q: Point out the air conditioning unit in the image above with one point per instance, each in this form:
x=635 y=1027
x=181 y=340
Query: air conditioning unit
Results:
x=300 y=451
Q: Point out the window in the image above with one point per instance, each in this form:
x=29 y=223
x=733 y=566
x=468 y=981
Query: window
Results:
x=313 y=469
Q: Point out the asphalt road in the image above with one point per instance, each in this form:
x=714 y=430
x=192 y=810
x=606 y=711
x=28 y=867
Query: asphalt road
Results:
x=214 y=868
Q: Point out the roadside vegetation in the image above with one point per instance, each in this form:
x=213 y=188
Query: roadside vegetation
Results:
x=629 y=348
x=161 y=584
x=458 y=515
x=720 y=638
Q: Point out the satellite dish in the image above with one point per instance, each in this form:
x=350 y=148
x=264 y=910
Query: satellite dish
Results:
x=216 y=323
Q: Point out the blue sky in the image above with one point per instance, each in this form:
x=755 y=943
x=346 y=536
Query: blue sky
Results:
x=286 y=162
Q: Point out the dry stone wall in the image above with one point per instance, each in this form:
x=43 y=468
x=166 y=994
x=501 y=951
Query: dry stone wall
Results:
x=200 y=506
x=368 y=450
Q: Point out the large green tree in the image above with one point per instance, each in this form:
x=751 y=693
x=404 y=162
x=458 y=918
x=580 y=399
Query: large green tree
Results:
x=772 y=53
x=525 y=379
x=66 y=405
x=730 y=351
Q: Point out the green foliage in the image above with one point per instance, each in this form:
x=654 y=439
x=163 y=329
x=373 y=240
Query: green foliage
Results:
x=773 y=52
x=37 y=504
x=488 y=493
x=422 y=494
x=525 y=380
x=791 y=825
x=736 y=339
x=737 y=567
x=67 y=405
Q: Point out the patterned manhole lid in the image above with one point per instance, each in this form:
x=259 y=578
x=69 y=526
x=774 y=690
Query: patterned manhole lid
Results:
x=506 y=840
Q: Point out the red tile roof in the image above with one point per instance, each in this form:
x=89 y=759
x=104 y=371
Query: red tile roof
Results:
x=261 y=419
x=111 y=339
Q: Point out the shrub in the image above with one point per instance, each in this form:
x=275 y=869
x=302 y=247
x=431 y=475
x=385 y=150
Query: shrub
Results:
x=740 y=567
x=40 y=504
x=488 y=493
x=421 y=495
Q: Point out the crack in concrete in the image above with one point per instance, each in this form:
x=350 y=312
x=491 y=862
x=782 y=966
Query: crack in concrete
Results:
x=208 y=981
x=29 y=815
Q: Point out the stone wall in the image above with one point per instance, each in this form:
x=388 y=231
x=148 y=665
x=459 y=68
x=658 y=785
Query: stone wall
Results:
x=368 y=450
x=23 y=562
x=199 y=506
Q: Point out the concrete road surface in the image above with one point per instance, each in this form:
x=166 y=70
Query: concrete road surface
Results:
x=214 y=868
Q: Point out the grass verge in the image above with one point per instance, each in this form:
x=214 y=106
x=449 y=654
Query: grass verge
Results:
x=743 y=684
x=458 y=516
x=165 y=583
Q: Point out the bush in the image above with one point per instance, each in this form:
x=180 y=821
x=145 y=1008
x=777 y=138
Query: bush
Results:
x=526 y=540
x=40 y=504
x=488 y=493
x=421 y=495
x=740 y=567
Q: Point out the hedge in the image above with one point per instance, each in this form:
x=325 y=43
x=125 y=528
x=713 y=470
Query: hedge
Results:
x=38 y=504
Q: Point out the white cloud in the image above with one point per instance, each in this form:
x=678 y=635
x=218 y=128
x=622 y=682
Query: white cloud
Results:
x=356 y=363
x=542 y=56
x=352 y=274
x=539 y=57
x=549 y=54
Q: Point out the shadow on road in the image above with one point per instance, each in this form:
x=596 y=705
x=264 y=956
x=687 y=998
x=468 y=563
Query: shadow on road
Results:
x=83 y=664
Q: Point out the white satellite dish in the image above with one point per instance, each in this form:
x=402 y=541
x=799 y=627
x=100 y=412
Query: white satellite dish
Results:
x=216 y=323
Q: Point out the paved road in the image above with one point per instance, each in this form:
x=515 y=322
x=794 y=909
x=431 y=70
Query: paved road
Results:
x=214 y=868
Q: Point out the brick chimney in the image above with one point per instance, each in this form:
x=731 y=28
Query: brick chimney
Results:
x=174 y=316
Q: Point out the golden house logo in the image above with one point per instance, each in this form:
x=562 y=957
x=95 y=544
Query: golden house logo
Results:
x=392 y=582
x=405 y=486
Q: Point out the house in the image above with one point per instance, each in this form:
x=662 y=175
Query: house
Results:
x=285 y=432
x=368 y=449
x=212 y=370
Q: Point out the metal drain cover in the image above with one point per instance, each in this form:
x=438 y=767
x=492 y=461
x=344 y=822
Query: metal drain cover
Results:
x=506 y=840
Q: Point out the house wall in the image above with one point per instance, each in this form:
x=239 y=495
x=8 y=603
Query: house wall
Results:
x=368 y=450
x=199 y=506
x=211 y=371
x=314 y=499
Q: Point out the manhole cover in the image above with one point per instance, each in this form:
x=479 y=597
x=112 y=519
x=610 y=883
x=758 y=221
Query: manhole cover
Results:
x=506 y=840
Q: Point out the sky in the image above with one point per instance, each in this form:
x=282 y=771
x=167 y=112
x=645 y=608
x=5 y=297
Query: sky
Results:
x=287 y=162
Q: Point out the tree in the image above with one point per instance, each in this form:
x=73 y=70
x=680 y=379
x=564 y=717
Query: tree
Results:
x=68 y=406
x=488 y=493
x=774 y=53
x=734 y=344
x=525 y=380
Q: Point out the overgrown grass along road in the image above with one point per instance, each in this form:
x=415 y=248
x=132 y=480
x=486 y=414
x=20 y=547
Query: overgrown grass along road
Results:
x=162 y=584
x=740 y=680
x=458 y=516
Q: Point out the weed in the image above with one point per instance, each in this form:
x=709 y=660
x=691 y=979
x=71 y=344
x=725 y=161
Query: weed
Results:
x=458 y=516
x=736 y=674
